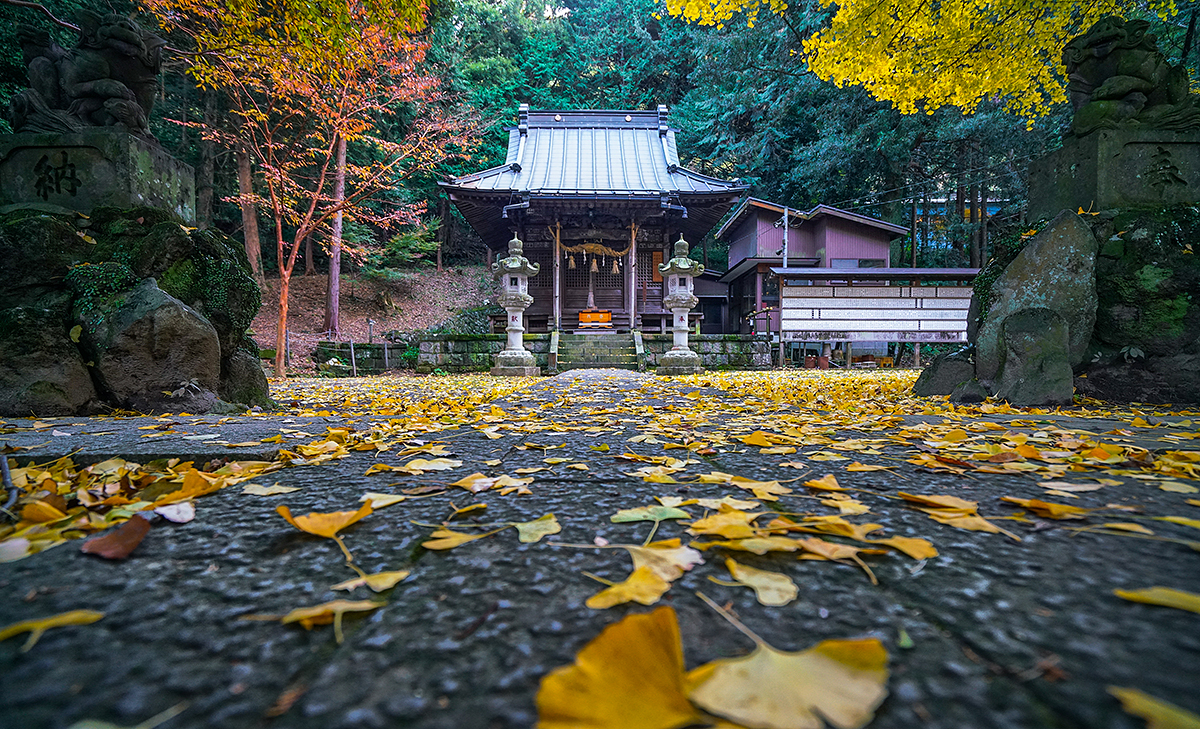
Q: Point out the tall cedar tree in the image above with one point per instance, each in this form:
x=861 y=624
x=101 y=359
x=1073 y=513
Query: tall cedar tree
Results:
x=300 y=76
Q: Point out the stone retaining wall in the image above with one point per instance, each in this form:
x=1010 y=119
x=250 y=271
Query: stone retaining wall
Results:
x=370 y=358
x=476 y=352
x=472 y=352
x=717 y=351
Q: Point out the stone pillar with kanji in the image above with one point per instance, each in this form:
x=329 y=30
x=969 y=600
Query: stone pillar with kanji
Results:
x=678 y=274
x=512 y=275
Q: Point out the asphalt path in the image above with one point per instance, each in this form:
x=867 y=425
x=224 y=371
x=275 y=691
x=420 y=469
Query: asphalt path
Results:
x=990 y=633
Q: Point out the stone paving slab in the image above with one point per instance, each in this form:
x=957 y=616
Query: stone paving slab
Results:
x=1004 y=634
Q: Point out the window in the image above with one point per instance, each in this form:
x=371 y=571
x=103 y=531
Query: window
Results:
x=857 y=263
x=512 y=281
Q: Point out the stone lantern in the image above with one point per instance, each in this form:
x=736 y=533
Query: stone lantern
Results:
x=512 y=273
x=678 y=274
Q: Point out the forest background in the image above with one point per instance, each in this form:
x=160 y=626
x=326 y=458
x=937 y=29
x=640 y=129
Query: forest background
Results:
x=742 y=95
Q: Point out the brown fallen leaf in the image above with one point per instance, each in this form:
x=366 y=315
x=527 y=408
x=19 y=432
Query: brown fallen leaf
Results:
x=629 y=677
x=38 y=626
x=120 y=542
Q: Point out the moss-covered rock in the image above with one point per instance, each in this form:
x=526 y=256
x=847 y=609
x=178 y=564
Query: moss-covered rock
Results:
x=1148 y=282
x=84 y=265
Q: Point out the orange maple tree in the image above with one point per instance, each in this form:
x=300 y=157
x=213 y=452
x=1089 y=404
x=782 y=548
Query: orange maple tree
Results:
x=302 y=75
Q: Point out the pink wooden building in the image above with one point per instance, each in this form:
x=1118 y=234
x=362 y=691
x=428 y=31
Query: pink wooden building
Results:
x=824 y=237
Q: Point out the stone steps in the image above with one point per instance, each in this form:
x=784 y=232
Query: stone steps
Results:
x=587 y=351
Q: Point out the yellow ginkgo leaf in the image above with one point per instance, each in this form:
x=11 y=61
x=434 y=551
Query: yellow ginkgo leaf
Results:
x=643 y=586
x=828 y=482
x=1164 y=596
x=667 y=558
x=37 y=627
x=324 y=524
x=1158 y=714
x=757 y=545
x=629 y=677
x=532 y=531
x=378 y=582
x=914 y=547
x=840 y=681
x=728 y=522
x=857 y=467
x=715 y=504
x=758 y=439
x=448 y=539
x=771 y=588
x=475 y=483
x=40 y=511
x=938 y=501
x=329 y=612
x=649 y=513
x=1048 y=509
x=378 y=501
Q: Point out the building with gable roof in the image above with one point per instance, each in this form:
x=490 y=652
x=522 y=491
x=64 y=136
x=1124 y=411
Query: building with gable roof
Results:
x=598 y=197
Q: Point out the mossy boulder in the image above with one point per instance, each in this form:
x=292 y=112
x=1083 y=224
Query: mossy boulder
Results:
x=1148 y=282
x=79 y=268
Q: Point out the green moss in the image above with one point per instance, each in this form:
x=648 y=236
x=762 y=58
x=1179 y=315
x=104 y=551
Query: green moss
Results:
x=180 y=280
x=96 y=285
x=1004 y=250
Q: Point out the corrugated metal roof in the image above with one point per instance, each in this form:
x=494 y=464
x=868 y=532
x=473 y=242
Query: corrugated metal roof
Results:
x=751 y=204
x=593 y=152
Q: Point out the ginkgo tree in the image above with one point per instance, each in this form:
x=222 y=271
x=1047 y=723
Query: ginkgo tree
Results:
x=922 y=56
x=303 y=78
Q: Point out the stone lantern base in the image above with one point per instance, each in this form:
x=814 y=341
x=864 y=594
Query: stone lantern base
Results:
x=679 y=362
x=515 y=363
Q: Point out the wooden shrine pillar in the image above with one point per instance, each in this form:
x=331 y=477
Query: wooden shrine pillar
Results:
x=631 y=276
x=557 y=268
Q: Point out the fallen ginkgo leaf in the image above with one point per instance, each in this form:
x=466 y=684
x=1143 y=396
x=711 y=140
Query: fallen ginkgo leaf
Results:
x=324 y=524
x=841 y=681
x=1158 y=714
x=629 y=677
x=643 y=586
x=378 y=582
x=329 y=612
x=38 y=626
x=1164 y=596
x=529 y=532
x=649 y=513
x=771 y=588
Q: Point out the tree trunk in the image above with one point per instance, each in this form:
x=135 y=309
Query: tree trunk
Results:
x=983 y=223
x=925 y=223
x=1191 y=36
x=960 y=194
x=250 y=218
x=208 y=153
x=332 y=294
x=443 y=228
x=912 y=232
x=976 y=158
x=308 y=257
x=281 y=328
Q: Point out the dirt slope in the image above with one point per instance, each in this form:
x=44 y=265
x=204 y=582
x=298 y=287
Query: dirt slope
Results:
x=424 y=300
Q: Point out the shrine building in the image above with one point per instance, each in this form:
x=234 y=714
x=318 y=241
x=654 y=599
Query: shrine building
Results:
x=598 y=197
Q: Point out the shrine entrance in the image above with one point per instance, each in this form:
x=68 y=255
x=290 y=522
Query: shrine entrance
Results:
x=597 y=197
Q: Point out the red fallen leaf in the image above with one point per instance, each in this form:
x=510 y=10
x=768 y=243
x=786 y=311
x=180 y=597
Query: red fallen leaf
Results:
x=118 y=543
x=955 y=462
